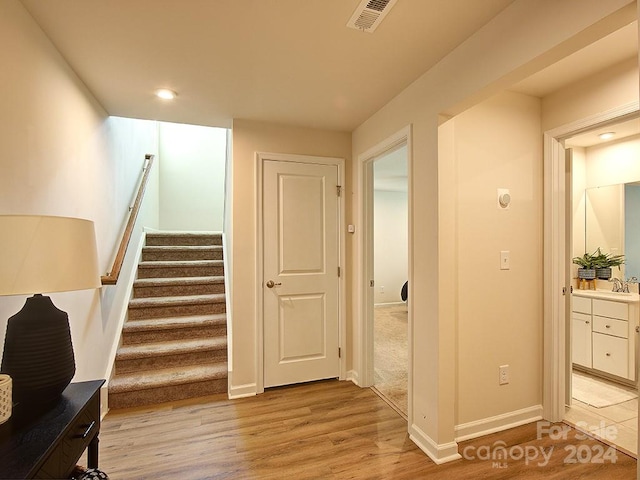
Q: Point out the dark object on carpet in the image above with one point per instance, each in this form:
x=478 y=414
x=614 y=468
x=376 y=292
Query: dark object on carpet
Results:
x=404 y=293
x=82 y=473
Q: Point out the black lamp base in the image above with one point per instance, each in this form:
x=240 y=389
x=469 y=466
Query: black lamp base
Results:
x=38 y=354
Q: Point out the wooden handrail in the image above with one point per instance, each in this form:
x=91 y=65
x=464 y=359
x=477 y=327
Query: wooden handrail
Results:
x=111 y=278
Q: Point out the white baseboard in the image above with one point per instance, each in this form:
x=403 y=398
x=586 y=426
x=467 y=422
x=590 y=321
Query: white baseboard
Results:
x=485 y=426
x=352 y=375
x=241 y=391
x=439 y=453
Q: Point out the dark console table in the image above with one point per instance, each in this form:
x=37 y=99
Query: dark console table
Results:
x=48 y=444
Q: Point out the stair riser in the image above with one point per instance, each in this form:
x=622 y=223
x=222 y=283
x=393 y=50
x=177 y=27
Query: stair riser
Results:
x=184 y=271
x=137 y=338
x=163 y=311
x=178 y=290
x=169 y=240
x=184 y=255
x=167 y=394
x=170 y=361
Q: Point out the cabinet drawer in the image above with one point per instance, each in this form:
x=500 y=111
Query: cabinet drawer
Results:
x=581 y=317
x=76 y=439
x=605 y=308
x=611 y=326
x=610 y=354
x=581 y=304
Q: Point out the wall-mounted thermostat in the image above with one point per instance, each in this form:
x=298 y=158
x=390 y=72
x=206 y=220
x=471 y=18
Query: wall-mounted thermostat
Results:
x=504 y=198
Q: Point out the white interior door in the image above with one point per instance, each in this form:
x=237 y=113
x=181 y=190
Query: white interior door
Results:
x=300 y=265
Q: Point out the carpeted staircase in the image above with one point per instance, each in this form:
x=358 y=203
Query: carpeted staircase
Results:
x=174 y=342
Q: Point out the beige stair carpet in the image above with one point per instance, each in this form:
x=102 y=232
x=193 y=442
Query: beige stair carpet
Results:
x=174 y=342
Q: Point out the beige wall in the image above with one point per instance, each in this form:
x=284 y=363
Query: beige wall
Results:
x=608 y=89
x=594 y=166
x=61 y=155
x=250 y=137
x=526 y=37
x=497 y=145
x=192 y=177
x=614 y=162
x=390 y=245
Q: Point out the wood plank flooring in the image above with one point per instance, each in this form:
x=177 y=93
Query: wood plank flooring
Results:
x=321 y=430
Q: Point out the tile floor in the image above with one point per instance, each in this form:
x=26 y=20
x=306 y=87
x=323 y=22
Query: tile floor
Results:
x=616 y=424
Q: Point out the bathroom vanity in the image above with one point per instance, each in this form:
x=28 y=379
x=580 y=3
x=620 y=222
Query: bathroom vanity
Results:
x=603 y=332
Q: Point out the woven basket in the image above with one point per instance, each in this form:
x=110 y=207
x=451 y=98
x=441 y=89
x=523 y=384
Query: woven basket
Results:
x=5 y=397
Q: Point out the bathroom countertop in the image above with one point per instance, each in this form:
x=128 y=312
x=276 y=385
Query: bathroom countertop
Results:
x=608 y=295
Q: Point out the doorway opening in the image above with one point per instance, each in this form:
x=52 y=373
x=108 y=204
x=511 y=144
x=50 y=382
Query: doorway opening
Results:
x=597 y=374
x=385 y=273
x=390 y=268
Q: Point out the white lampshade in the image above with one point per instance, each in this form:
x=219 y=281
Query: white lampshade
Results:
x=42 y=254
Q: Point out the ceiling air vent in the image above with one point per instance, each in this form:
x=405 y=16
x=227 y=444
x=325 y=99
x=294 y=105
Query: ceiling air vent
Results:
x=369 y=14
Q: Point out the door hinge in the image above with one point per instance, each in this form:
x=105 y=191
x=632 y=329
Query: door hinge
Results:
x=339 y=190
x=339 y=352
x=339 y=271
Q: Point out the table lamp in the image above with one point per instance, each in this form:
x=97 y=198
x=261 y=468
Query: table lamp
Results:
x=43 y=254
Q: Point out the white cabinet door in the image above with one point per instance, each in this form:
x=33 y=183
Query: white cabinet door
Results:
x=581 y=339
x=611 y=354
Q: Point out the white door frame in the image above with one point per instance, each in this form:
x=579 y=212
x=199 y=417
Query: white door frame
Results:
x=555 y=258
x=364 y=292
x=261 y=157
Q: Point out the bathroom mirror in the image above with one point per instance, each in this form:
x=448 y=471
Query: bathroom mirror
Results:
x=612 y=222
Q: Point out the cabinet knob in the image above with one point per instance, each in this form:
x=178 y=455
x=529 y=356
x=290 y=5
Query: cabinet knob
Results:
x=607 y=326
x=587 y=322
x=608 y=354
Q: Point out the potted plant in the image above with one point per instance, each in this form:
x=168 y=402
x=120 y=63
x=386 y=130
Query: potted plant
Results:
x=604 y=262
x=587 y=270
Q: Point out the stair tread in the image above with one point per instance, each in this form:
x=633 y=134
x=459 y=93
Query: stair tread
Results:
x=164 y=248
x=147 y=282
x=165 y=377
x=127 y=352
x=176 y=300
x=179 y=263
x=183 y=234
x=167 y=323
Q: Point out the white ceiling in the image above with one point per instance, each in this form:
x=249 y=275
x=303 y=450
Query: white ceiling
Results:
x=621 y=130
x=283 y=61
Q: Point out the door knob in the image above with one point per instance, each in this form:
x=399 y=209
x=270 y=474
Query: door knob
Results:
x=271 y=284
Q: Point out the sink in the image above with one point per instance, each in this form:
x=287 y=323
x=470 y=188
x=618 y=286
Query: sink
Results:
x=608 y=295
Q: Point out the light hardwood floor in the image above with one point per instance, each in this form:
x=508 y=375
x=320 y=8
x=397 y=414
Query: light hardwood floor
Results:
x=321 y=430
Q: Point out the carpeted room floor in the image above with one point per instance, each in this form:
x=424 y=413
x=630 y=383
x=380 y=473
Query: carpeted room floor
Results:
x=391 y=354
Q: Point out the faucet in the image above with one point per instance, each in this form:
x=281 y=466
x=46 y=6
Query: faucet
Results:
x=617 y=284
x=625 y=284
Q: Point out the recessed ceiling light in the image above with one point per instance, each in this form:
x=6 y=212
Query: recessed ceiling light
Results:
x=166 y=94
x=607 y=135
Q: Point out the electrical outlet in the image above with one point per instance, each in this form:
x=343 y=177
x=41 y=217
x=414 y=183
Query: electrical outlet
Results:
x=503 y=374
x=382 y=289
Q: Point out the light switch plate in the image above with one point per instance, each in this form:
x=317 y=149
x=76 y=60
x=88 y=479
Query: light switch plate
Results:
x=505 y=261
